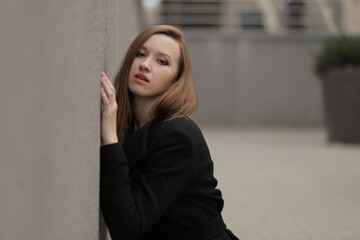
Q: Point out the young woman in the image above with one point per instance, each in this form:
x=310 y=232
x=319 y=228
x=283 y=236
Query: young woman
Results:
x=156 y=171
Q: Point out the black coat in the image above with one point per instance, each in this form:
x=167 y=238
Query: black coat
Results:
x=159 y=185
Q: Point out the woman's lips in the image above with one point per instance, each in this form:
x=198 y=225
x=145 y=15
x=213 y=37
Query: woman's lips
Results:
x=141 y=78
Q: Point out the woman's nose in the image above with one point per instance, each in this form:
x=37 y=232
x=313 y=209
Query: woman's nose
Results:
x=145 y=65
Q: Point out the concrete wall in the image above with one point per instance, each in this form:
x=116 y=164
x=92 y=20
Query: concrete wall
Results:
x=52 y=53
x=256 y=80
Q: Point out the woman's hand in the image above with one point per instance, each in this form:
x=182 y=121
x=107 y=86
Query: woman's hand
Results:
x=109 y=110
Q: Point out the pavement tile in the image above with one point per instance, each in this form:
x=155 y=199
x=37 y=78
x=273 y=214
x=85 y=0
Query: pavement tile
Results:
x=286 y=183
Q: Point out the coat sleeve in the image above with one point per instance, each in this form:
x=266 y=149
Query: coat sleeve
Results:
x=128 y=211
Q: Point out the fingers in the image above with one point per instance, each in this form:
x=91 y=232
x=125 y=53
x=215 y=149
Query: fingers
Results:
x=104 y=97
x=107 y=90
x=108 y=111
x=107 y=85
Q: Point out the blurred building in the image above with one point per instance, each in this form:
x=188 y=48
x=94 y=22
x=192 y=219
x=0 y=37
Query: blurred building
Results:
x=252 y=59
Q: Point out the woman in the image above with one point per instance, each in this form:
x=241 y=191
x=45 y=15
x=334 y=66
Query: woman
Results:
x=156 y=172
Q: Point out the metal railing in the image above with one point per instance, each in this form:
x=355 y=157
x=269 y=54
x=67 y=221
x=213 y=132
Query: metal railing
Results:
x=268 y=16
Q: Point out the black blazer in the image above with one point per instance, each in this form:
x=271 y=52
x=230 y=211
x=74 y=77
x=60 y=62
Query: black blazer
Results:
x=159 y=184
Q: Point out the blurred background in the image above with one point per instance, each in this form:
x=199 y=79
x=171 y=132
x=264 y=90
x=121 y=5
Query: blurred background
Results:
x=262 y=111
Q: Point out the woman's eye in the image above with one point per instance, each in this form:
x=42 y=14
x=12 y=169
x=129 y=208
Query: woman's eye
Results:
x=162 y=62
x=140 y=54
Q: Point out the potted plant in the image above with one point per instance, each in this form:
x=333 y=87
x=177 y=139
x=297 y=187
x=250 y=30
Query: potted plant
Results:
x=338 y=66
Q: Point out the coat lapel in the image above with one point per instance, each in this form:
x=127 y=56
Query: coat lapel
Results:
x=135 y=146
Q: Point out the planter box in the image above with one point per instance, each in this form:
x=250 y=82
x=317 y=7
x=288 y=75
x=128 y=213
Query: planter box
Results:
x=341 y=92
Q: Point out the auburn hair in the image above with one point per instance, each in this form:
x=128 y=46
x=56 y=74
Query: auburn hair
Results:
x=178 y=100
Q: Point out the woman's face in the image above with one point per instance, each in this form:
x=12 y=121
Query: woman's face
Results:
x=155 y=66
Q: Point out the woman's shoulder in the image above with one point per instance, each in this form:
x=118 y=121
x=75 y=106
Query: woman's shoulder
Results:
x=181 y=130
x=184 y=125
x=179 y=134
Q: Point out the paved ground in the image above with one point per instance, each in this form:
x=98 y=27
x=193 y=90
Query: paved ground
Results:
x=287 y=184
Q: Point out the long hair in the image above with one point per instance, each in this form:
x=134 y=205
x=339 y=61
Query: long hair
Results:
x=177 y=101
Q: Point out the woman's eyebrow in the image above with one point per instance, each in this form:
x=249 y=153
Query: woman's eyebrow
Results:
x=158 y=52
x=164 y=54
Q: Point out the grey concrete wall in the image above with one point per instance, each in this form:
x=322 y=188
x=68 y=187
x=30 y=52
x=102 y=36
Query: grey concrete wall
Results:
x=256 y=80
x=51 y=56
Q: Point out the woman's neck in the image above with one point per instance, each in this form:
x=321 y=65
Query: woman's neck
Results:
x=142 y=108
